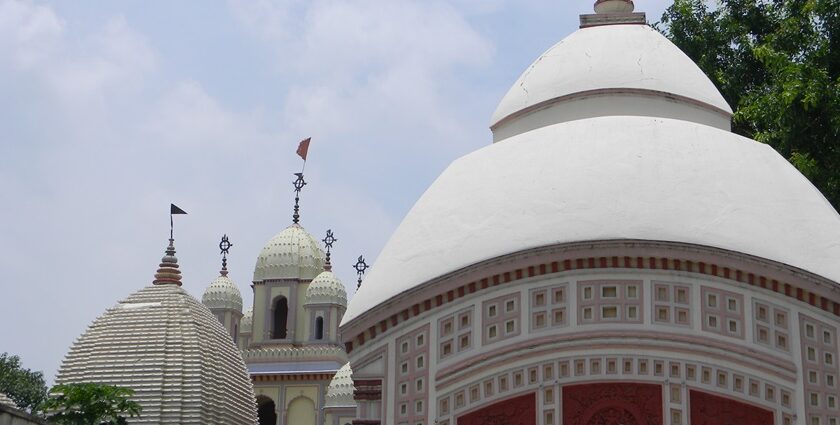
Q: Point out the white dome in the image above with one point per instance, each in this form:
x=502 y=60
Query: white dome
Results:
x=247 y=321
x=222 y=293
x=610 y=70
x=170 y=349
x=604 y=179
x=158 y=342
x=326 y=289
x=290 y=254
x=340 y=391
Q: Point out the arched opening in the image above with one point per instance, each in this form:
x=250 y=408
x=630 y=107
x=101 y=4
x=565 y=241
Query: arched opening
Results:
x=281 y=316
x=301 y=412
x=235 y=333
x=319 y=328
x=266 y=411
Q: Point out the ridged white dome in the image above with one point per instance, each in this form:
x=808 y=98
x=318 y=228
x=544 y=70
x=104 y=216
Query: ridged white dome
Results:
x=247 y=321
x=340 y=390
x=222 y=293
x=291 y=254
x=6 y=401
x=326 y=289
x=170 y=349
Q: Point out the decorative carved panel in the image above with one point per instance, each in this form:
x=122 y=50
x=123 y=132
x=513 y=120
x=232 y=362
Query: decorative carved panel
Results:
x=618 y=403
x=707 y=409
x=520 y=410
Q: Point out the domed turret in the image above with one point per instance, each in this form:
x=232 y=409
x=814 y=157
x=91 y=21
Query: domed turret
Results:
x=223 y=294
x=6 y=401
x=326 y=289
x=247 y=320
x=291 y=254
x=340 y=391
x=156 y=342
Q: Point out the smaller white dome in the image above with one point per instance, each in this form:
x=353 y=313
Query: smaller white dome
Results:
x=247 y=321
x=6 y=401
x=326 y=289
x=222 y=293
x=291 y=254
x=340 y=391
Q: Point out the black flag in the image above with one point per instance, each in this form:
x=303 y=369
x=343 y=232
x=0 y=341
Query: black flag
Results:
x=173 y=209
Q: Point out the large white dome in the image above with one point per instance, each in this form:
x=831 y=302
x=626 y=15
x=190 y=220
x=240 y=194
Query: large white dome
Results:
x=604 y=179
x=291 y=254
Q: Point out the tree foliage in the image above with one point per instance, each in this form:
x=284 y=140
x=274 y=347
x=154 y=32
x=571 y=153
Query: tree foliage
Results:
x=25 y=387
x=777 y=62
x=90 y=404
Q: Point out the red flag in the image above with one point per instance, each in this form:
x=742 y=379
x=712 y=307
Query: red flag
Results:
x=303 y=148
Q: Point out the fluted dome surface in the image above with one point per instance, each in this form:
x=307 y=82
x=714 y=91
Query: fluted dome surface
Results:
x=170 y=349
x=6 y=401
x=340 y=390
x=222 y=293
x=326 y=289
x=291 y=254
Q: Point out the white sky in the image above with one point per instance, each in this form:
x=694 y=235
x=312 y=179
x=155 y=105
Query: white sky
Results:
x=112 y=110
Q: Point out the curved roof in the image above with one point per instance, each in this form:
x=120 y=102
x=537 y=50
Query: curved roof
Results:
x=222 y=293
x=156 y=342
x=326 y=289
x=247 y=321
x=608 y=178
x=340 y=391
x=8 y=402
x=291 y=254
x=626 y=57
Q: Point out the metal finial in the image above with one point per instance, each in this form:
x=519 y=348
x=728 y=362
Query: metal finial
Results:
x=360 y=267
x=224 y=246
x=299 y=183
x=328 y=243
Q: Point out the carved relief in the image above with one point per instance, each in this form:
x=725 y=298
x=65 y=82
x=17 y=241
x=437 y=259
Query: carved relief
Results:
x=612 y=404
x=707 y=409
x=515 y=411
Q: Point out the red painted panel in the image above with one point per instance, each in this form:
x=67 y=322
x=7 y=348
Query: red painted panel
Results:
x=521 y=410
x=614 y=403
x=707 y=409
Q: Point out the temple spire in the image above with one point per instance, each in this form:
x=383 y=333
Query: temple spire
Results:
x=167 y=272
x=360 y=267
x=328 y=243
x=612 y=12
x=224 y=246
x=299 y=183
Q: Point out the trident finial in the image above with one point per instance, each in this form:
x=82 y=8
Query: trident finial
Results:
x=299 y=183
x=328 y=243
x=224 y=246
x=360 y=267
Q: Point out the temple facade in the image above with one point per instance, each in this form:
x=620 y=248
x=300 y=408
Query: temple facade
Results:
x=616 y=256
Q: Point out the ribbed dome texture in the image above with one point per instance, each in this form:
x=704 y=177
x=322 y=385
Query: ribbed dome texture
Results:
x=167 y=347
x=291 y=254
x=326 y=289
x=6 y=401
x=340 y=391
x=222 y=293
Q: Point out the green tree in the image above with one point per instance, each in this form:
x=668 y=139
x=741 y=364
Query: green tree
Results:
x=25 y=387
x=777 y=62
x=90 y=404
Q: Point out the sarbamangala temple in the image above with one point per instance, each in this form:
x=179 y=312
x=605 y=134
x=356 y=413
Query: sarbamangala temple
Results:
x=616 y=256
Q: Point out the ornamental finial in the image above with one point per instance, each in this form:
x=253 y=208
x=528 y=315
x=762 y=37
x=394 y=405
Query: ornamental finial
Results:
x=224 y=246
x=328 y=243
x=614 y=6
x=360 y=267
x=299 y=183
